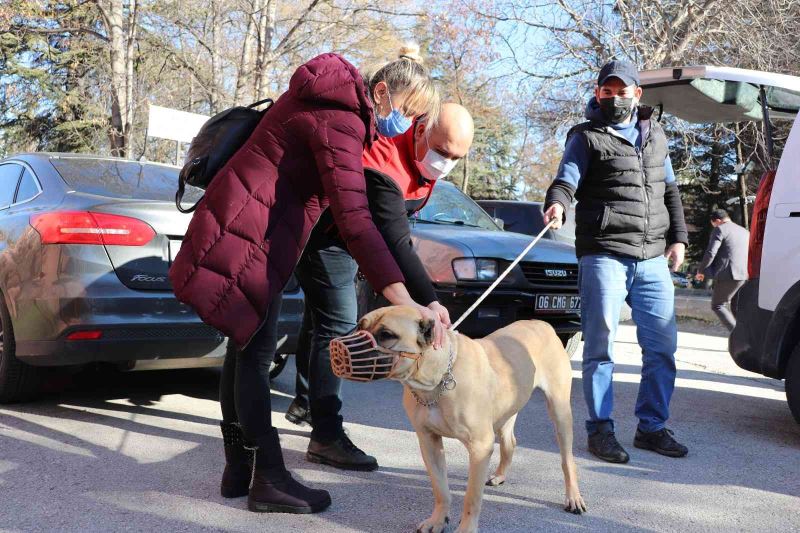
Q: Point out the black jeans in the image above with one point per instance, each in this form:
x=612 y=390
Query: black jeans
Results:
x=326 y=273
x=244 y=392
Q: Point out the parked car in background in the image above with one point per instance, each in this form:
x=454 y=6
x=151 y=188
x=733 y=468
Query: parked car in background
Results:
x=528 y=218
x=681 y=280
x=766 y=338
x=464 y=251
x=85 y=246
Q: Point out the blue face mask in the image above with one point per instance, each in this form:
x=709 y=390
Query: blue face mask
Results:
x=394 y=124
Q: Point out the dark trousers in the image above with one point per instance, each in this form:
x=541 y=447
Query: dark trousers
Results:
x=723 y=292
x=302 y=356
x=244 y=391
x=326 y=273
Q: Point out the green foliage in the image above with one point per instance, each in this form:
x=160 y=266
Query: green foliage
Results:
x=48 y=97
x=492 y=160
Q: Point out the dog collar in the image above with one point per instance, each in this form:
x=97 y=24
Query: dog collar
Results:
x=447 y=383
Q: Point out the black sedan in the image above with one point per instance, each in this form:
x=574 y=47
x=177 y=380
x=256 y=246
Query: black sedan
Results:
x=85 y=246
x=464 y=250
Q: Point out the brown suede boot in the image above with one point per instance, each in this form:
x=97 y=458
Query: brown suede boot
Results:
x=238 y=462
x=272 y=488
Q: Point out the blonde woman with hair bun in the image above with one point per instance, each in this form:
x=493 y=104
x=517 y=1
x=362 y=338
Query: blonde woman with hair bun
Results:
x=402 y=89
x=252 y=229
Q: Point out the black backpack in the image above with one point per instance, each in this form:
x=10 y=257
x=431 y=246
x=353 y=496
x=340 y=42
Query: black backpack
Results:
x=214 y=144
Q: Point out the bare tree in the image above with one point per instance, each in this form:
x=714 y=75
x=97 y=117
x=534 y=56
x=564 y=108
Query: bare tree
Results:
x=120 y=24
x=244 y=79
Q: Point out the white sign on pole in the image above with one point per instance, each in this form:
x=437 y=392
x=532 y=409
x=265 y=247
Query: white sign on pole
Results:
x=172 y=124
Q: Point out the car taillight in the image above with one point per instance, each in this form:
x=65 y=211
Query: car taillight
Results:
x=759 y=224
x=84 y=227
x=89 y=335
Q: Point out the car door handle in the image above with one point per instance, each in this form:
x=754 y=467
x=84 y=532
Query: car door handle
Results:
x=787 y=210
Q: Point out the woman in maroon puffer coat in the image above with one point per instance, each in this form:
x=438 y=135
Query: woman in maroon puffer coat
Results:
x=249 y=231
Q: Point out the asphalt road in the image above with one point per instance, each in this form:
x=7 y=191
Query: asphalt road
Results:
x=142 y=452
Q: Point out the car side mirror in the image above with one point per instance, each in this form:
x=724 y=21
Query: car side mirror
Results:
x=500 y=222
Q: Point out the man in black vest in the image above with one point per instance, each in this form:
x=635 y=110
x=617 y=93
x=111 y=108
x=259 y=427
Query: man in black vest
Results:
x=630 y=226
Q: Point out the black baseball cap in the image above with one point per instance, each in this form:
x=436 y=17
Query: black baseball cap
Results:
x=719 y=214
x=618 y=68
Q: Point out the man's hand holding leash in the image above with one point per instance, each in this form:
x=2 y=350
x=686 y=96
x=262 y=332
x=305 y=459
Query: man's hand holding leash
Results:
x=556 y=213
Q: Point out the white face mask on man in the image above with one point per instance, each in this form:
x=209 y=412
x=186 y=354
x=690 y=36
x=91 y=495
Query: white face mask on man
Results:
x=434 y=165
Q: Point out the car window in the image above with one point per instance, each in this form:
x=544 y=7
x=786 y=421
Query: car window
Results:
x=122 y=179
x=448 y=205
x=521 y=218
x=28 y=187
x=527 y=218
x=9 y=176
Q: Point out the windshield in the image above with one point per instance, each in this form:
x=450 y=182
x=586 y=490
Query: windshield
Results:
x=448 y=205
x=122 y=179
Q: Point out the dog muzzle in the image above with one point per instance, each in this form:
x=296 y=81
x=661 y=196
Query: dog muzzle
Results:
x=359 y=357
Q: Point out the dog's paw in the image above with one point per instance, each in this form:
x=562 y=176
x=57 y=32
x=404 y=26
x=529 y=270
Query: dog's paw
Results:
x=575 y=504
x=496 y=481
x=470 y=528
x=433 y=525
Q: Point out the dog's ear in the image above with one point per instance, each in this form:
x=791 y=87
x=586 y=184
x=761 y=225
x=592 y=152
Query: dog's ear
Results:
x=425 y=336
x=369 y=320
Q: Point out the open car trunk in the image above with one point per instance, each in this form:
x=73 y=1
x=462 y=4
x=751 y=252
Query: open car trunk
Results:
x=707 y=94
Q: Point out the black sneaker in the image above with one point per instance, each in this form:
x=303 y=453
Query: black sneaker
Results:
x=298 y=413
x=605 y=445
x=660 y=441
x=342 y=454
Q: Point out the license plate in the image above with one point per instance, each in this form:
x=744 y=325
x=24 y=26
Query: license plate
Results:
x=558 y=303
x=174 y=246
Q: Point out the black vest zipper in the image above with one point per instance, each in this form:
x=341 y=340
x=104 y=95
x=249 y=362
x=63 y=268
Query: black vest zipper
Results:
x=646 y=201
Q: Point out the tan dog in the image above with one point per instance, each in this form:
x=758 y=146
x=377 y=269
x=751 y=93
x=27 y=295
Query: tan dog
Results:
x=493 y=378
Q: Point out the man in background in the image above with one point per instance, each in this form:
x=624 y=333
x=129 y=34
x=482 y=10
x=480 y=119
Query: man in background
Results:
x=726 y=261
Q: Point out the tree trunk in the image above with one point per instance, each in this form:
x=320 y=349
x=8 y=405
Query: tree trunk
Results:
x=121 y=29
x=465 y=174
x=741 y=178
x=266 y=34
x=244 y=81
x=216 y=60
x=130 y=50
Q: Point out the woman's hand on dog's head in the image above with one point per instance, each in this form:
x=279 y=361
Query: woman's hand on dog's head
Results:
x=442 y=312
x=438 y=327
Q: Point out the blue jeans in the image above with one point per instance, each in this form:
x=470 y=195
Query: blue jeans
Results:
x=326 y=273
x=606 y=282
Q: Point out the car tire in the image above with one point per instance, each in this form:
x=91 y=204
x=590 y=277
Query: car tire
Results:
x=18 y=381
x=571 y=341
x=278 y=364
x=792 y=383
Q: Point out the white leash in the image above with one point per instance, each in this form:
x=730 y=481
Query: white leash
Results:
x=502 y=276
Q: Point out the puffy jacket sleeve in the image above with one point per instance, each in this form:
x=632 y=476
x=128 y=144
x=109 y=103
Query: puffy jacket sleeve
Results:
x=337 y=145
